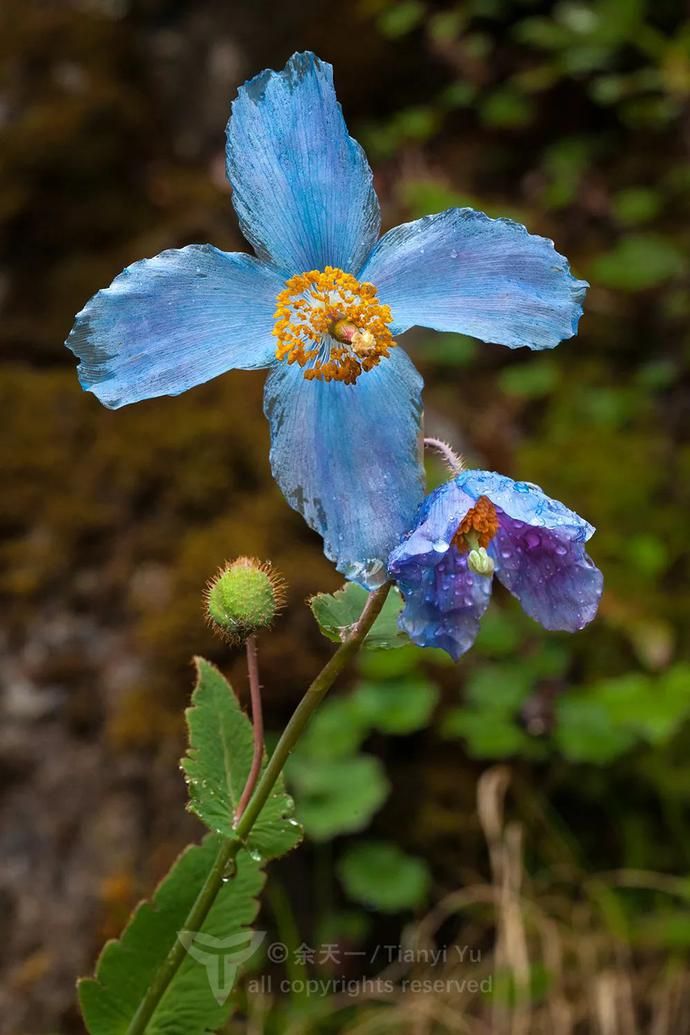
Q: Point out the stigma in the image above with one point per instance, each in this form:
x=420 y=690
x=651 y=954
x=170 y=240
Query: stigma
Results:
x=475 y=532
x=331 y=325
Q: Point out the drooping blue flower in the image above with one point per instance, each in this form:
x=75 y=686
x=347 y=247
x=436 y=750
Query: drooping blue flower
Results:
x=319 y=305
x=481 y=522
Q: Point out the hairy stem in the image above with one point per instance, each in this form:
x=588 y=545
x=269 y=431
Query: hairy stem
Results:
x=257 y=725
x=224 y=861
x=452 y=460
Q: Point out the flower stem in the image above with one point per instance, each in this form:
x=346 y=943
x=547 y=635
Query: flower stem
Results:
x=257 y=724
x=452 y=460
x=230 y=846
x=352 y=641
x=193 y=922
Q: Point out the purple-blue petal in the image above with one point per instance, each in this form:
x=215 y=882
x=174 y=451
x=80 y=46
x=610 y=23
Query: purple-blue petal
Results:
x=549 y=572
x=538 y=552
x=175 y=321
x=347 y=457
x=302 y=187
x=443 y=603
x=461 y=271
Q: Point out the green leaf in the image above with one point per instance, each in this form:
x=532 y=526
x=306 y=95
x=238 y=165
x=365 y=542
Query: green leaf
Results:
x=127 y=965
x=453 y=349
x=507 y=107
x=487 y=734
x=338 y=796
x=499 y=633
x=401 y=18
x=637 y=204
x=585 y=732
x=379 y=874
x=218 y=761
x=336 y=731
x=530 y=380
x=500 y=688
x=396 y=707
x=336 y=612
x=652 y=707
x=638 y=262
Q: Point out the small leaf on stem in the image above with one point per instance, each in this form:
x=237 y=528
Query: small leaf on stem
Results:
x=336 y=612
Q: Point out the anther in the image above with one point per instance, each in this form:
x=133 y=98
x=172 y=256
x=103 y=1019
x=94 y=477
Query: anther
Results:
x=331 y=325
x=475 y=532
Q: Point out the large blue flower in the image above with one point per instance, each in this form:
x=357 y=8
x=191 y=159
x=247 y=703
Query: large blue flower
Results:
x=483 y=522
x=319 y=306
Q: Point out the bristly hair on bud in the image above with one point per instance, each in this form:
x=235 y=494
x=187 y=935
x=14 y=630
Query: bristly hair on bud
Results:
x=242 y=597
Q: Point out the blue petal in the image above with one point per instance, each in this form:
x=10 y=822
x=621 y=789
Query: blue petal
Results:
x=347 y=458
x=549 y=572
x=524 y=501
x=435 y=525
x=461 y=271
x=443 y=608
x=169 y=323
x=302 y=187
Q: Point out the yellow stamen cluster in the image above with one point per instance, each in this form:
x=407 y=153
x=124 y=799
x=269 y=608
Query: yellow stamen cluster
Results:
x=331 y=325
x=478 y=527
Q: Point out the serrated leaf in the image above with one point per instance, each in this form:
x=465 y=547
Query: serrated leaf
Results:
x=336 y=612
x=218 y=760
x=379 y=874
x=337 y=796
x=127 y=965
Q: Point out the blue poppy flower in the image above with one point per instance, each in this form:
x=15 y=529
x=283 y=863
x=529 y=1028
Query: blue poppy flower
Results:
x=481 y=522
x=320 y=305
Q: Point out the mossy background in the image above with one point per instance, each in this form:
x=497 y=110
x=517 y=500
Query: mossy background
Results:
x=572 y=117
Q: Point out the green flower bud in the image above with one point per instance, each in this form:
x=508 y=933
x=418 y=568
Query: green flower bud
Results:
x=243 y=597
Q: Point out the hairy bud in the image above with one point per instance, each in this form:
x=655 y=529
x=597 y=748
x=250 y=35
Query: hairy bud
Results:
x=243 y=597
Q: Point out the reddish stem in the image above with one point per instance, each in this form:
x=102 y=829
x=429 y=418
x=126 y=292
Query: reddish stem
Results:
x=257 y=722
